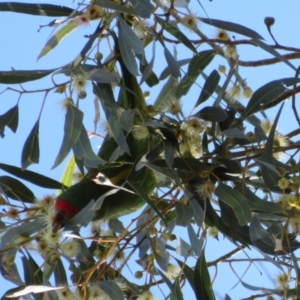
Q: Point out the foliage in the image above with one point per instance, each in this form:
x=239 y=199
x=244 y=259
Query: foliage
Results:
x=217 y=170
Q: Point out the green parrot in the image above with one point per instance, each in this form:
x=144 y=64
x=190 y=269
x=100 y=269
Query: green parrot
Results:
x=93 y=186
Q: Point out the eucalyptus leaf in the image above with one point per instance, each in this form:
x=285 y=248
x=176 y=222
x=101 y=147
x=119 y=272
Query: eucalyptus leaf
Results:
x=9 y=119
x=20 y=76
x=15 y=189
x=31 y=148
x=26 y=229
x=40 y=9
x=188 y=272
x=58 y=37
x=111 y=5
x=183 y=248
x=159 y=251
x=184 y=214
x=209 y=87
x=172 y=63
x=174 y=30
x=268 y=93
x=111 y=289
x=83 y=150
x=195 y=242
x=130 y=37
x=237 y=28
x=257 y=204
x=33 y=177
x=202 y=282
x=72 y=130
x=127 y=53
x=236 y=201
x=166 y=94
x=166 y=72
x=235 y=133
x=212 y=113
x=196 y=66
x=103 y=76
x=260 y=237
x=143 y=8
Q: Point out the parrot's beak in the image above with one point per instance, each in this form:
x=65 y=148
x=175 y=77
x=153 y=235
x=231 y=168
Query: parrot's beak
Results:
x=59 y=220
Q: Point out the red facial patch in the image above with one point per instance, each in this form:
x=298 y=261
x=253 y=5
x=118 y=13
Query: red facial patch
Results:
x=69 y=209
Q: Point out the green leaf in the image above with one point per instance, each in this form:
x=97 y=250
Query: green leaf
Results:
x=127 y=119
x=209 y=87
x=109 y=4
x=9 y=119
x=166 y=72
x=83 y=150
x=12 y=77
x=198 y=211
x=269 y=172
x=130 y=37
x=127 y=53
x=184 y=214
x=188 y=272
x=261 y=238
x=237 y=28
x=267 y=93
x=15 y=189
x=40 y=9
x=297 y=271
x=236 y=201
x=268 y=150
x=235 y=133
x=172 y=63
x=35 y=178
x=184 y=249
x=72 y=130
x=105 y=94
x=60 y=274
x=58 y=37
x=68 y=175
x=202 y=284
x=175 y=31
x=212 y=113
x=176 y=291
x=233 y=165
x=143 y=8
x=26 y=229
x=160 y=254
x=8 y=268
x=31 y=148
x=166 y=94
x=144 y=196
x=196 y=66
x=111 y=289
x=257 y=204
x=103 y=75
x=195 y=242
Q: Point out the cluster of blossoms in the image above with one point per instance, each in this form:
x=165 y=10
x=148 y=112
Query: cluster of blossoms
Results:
x=290 y=203
x=279 y=139
x=48 y=243
x=191 y=138
x=93 y=293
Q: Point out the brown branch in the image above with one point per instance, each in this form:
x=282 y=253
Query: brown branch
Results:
x=268 y=61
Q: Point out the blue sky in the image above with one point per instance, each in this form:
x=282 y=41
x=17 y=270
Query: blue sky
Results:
x=21 y=45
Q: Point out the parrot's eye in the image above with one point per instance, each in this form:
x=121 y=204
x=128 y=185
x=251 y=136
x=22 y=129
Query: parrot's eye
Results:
x=101 y=178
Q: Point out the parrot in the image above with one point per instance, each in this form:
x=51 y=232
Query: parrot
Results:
x=91 y=187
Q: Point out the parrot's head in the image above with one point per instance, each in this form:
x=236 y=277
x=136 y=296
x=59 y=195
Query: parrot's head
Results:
x=64 y=211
